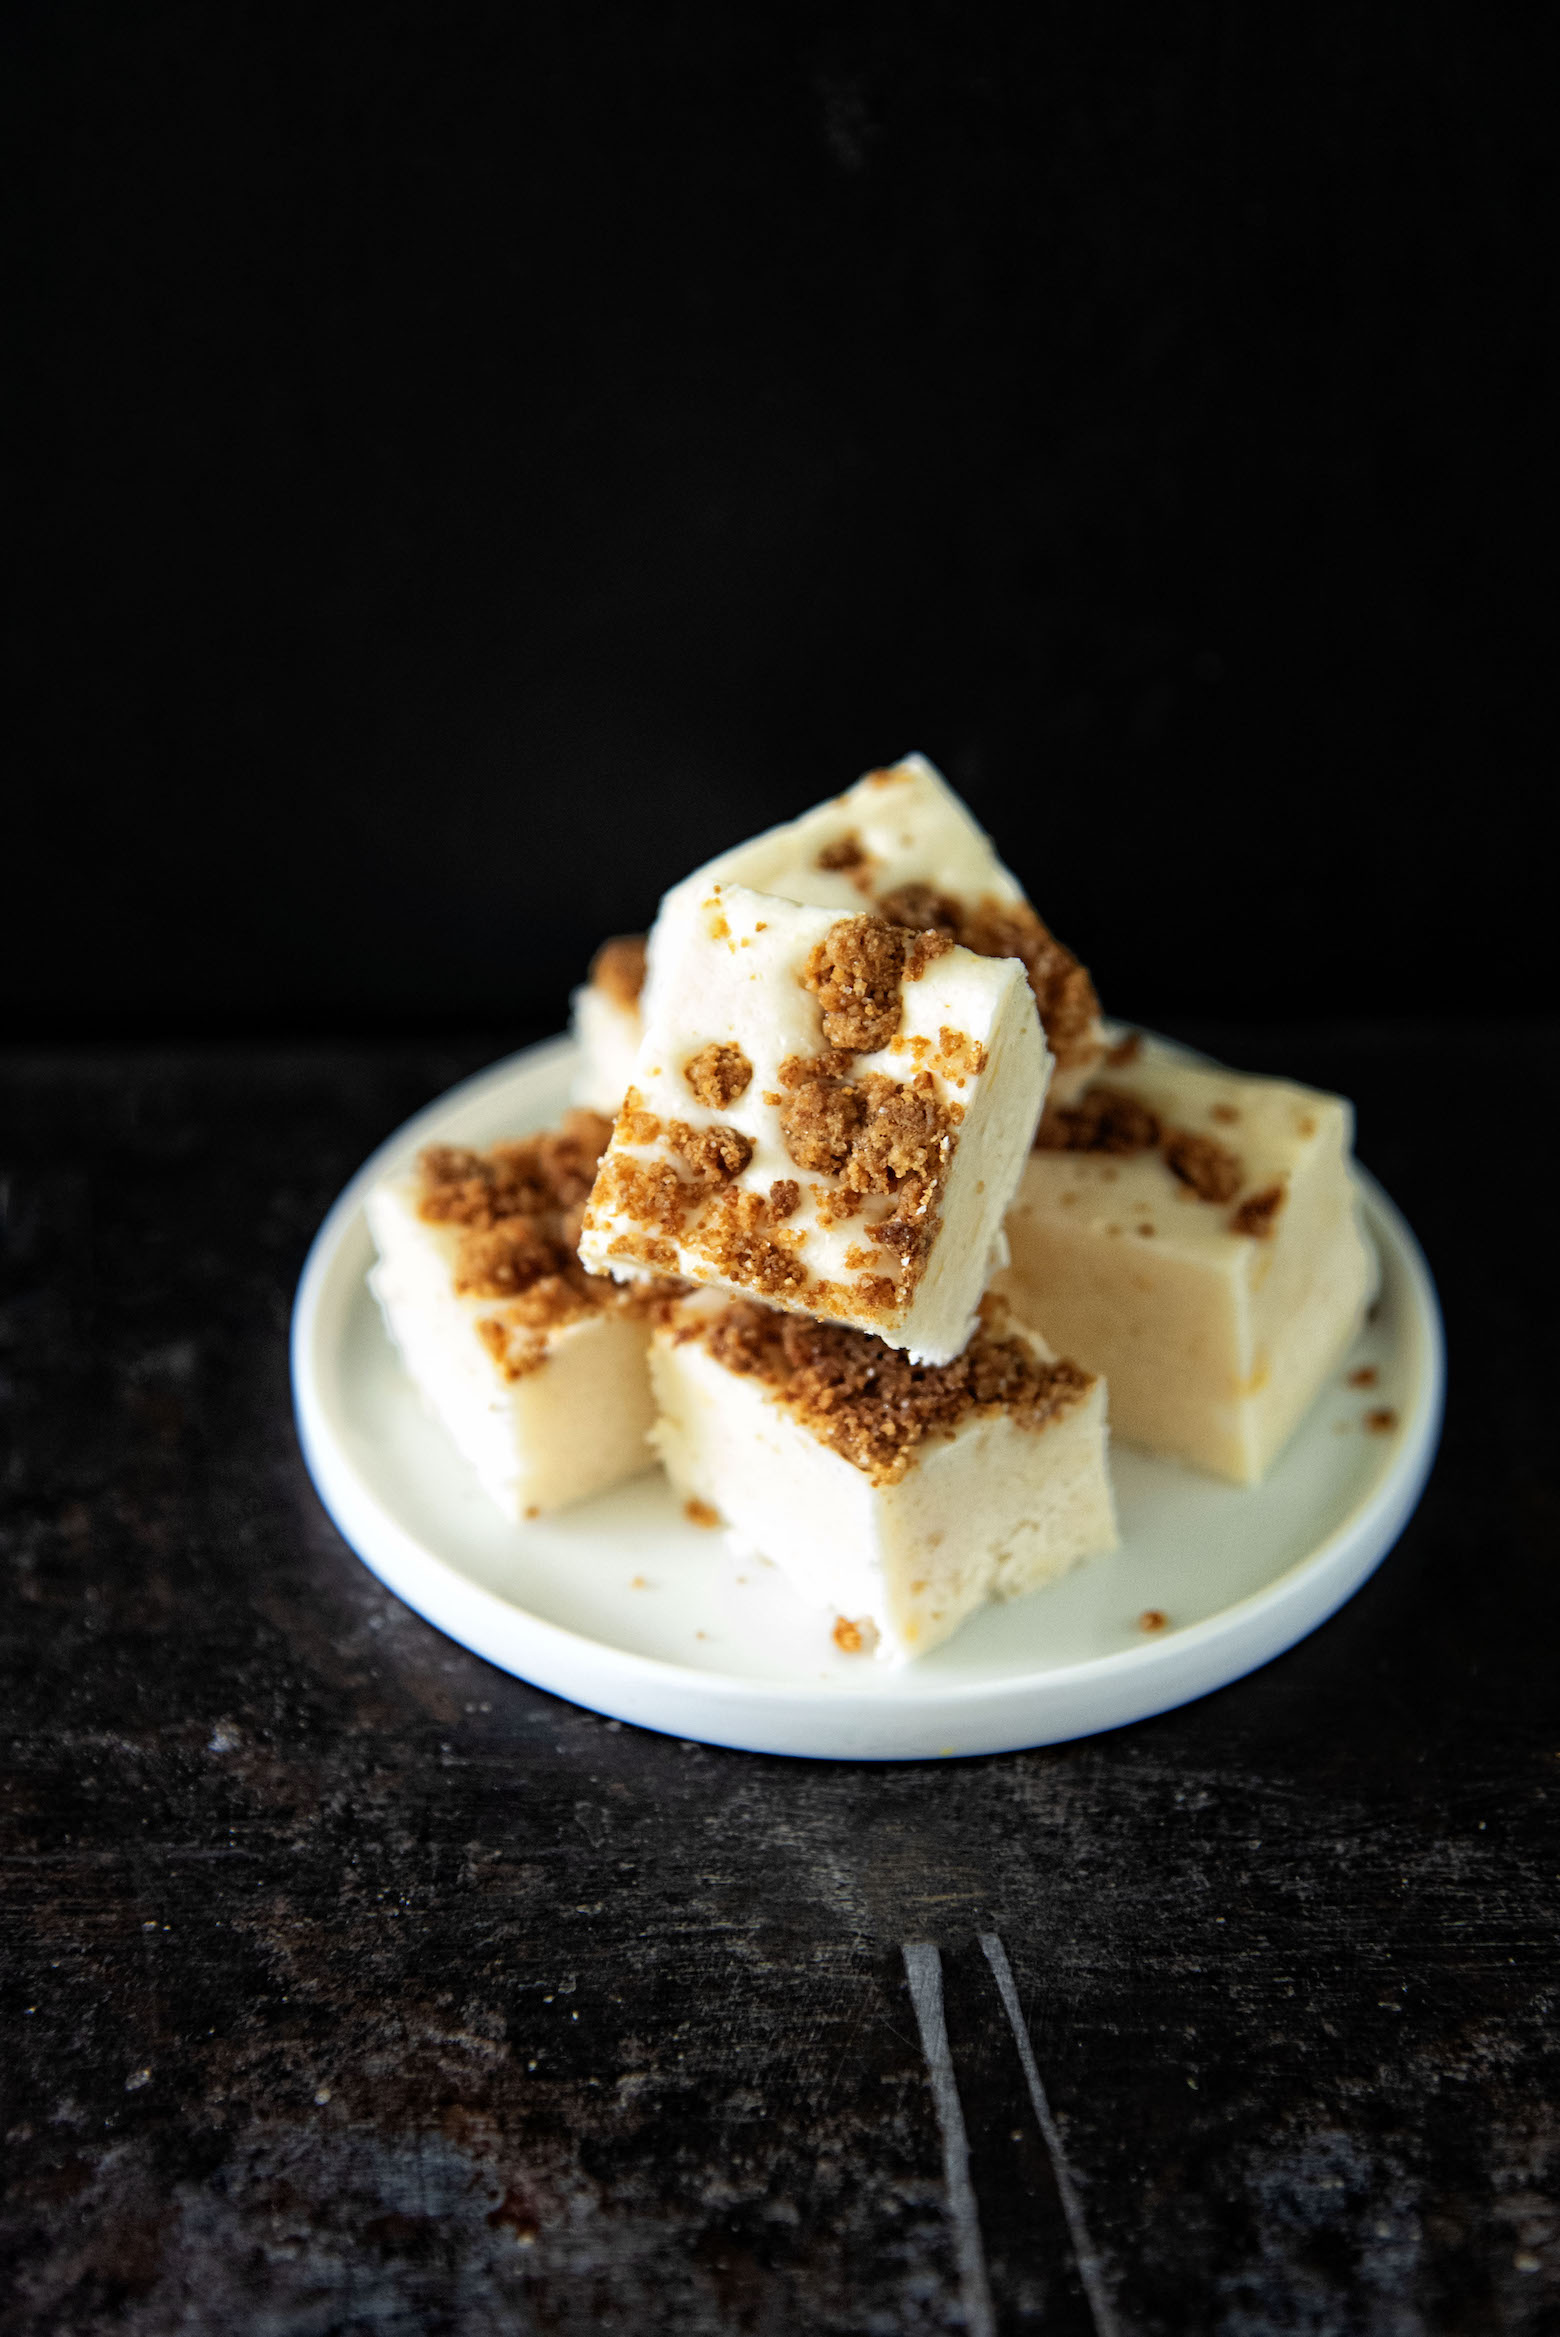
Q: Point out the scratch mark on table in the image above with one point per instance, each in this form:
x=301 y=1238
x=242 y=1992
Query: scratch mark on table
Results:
x=1090 y=2270
x=923 y=1970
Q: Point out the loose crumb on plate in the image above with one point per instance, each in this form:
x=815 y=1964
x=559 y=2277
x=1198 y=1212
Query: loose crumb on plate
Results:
x=855 y=1638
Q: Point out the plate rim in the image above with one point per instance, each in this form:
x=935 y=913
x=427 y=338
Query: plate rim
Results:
x=1154 y=1677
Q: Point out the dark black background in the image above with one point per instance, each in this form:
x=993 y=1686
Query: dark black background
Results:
x=478 y=460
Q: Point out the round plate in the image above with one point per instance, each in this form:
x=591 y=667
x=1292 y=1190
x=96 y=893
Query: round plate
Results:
x=621 y=1605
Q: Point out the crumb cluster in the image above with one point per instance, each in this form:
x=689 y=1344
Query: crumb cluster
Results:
x=871 y=1405
x=1258 y=1215
x=718 y=1074
x=822 y=1114
x=517 y=1208
x=544 y=1177
x=1069 y=1008
x=1107 y=1120
x=885 y=1145
x=742 y=1234
x=618 y=968
x=1102 y=1120
x=712 y=1156
x=878 y=1136
x=855 y=973
x=1213 y=1173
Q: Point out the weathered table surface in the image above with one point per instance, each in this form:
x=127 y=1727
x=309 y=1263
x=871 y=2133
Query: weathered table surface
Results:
x=349 y=1985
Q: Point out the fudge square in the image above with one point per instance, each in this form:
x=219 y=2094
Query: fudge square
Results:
x=898 y=1497
x=608 y=1024
x=1192 y=1234
x=830 y=1113
x=537 y=1370
x=902 y=844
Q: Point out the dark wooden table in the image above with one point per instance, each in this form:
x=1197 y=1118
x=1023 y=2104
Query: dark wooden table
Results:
x=351 y=1986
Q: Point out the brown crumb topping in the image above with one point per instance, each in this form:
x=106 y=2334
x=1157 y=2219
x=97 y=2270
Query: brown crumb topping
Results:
x=500 y=1261
x=868 y=1402
x=886 y=1141
x=618 y=967
x=924 y=950
x=1259 y=1215
x=1069 y=1009
x=700 y=1513
x=1152 y=1619
x=1365 y=1376
x=655 y=1250
x=844 y=853
x=959 y=1057
x=739 y=1237
x=905 y=1134
x=1381 y=1422
x=514 y=1358
x=877 y=1132
x=712 y=1156
x=1213 y=1173
x=718 y=1074
x=517 y=1208
x=1102 y=1120
x=798 y=1068
x=530 y=1177
x=835 y=1204
x=936 y=920
x=855 y=973
x=519 y=1339
x=880 y=1136
x=849 y=1637
x=874 y=1294
x=821 y=1116
x=1107 y=1120
x=650 y=1191
x=920 y=908
x=636 y=1125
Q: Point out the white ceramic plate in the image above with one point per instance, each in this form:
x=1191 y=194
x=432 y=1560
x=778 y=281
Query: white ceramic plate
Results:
x=623 y=1606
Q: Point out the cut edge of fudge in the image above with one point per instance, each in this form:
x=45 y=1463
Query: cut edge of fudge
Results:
x=536 y=1369
x=896 y=1497
x=606 y=1023
x=1194 y=1233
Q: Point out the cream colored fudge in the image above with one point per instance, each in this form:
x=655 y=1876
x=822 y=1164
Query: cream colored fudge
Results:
x=1192 y=1234
x=901 y=843
x=607 y=1023
x=897 y=1499
x=537 y=1370
x=830 y=1113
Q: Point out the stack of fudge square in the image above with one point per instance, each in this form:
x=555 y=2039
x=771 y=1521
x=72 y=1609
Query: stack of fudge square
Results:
x=862 y=1216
